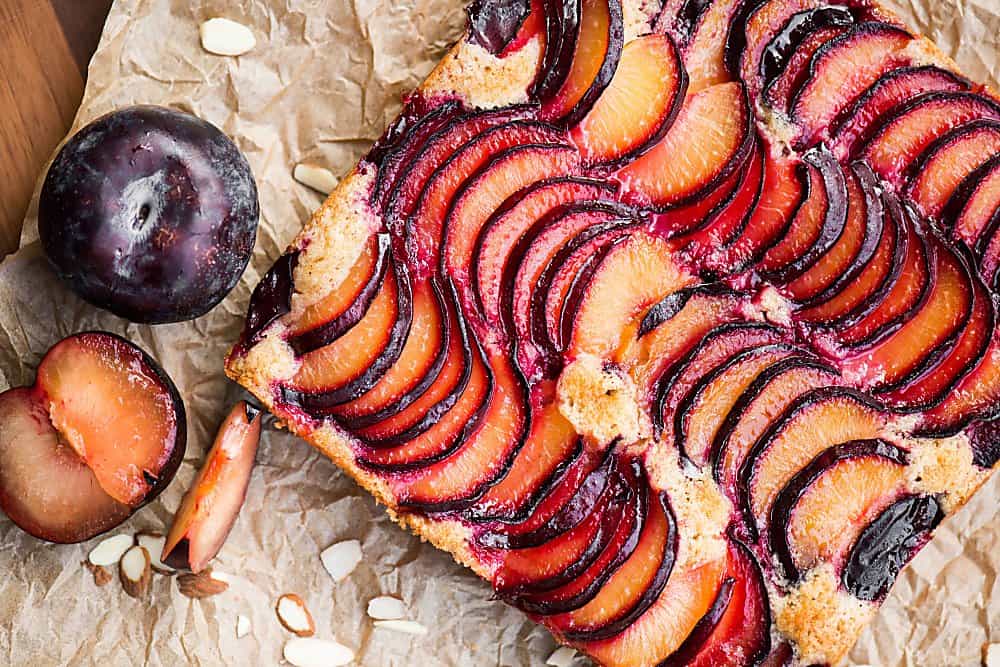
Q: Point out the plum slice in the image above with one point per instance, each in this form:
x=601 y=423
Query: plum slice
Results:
x=814 y=422
x=639 y=105
x=819 y=514
x=551 y=446
x=780 y=91
x=770 y=214
x=330 y=318
x=946 y=162
x=855 y=124
x=701 y=411
x=974 y=396
x=908 y=286
x=504 y=175
x=790 y=43
x=911 y=128
x=887 y=544
x=632 y=277
x=686 y=598
x=818 y=224
x=840 y=71
x=680 y=377
x=811 y=280
x=702 y=148
x=210 y=507
x=692 y=222
x=726 y=221
x=352 y=364
x=675 y=325
x=737 y=625
x=562 y=29
x=971 y=211
x=633 y=588
x=763 y=401
x=271 y=299
x=622 y=544
x=100 y=433
x=597 y=51
x=930 y=332
x=485 y=455
x=419 y=363
x=508 y=224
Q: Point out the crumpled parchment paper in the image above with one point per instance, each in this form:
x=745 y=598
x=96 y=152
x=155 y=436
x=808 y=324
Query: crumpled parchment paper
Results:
x=322 y=83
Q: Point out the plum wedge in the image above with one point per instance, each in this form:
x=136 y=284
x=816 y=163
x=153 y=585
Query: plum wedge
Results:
x=210 y=507
x=675 y=321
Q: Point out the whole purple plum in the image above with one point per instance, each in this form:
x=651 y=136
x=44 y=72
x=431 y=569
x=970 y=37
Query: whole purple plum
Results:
x=150 y=213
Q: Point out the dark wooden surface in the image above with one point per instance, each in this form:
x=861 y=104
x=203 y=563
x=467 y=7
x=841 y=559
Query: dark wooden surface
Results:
x=46 y=45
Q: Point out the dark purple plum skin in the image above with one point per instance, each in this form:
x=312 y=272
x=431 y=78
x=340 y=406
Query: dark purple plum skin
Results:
x=150 y=213
x=493 y=24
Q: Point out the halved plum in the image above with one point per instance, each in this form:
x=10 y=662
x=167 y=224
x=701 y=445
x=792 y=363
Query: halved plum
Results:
x=819 y=514
x=856 y=123
x=100 y=433
x=707 y=142
x=638 y=107
x=210 y=507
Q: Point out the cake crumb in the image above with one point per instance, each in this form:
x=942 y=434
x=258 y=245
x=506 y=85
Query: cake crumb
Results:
x=482 y=80
x=945 y=467
x=821 y=619
x=599 y=401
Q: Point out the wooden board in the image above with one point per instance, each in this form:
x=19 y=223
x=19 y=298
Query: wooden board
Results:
x=46 y=45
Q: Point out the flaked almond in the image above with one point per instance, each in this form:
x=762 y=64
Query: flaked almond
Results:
x=562 y=657
x=341 y=558
x=135 y=571
x=386 y=608
x=153 y=543
x=242 y=626
x=102 y=576
x=201 y=585
x=318 y=178
x=226 y=38
x=110 y=550
x=313 y=652
x=407 y=627
x=294 y=615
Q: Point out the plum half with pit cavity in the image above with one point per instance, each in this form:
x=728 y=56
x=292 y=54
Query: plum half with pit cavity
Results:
x=100 y=433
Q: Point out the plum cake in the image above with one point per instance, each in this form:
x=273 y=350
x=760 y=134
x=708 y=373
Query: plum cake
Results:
x=677 y=323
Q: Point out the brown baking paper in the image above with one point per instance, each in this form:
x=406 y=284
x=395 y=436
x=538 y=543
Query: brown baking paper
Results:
x=320 y=86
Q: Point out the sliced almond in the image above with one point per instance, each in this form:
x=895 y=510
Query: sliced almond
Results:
x=135 y=572
x=562 y=657
x=242 y=626
x=110 y=550
x=294 y=615
x=226 y=38
x=201 y=585
x=407 y=627
x=386 y=608
x=318 y=178
x=101 y=574
x=993 y=655
x=153 y=543
x=341 y=558
x=313 y=652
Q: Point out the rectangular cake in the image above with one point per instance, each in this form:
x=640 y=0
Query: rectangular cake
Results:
x=676 y=323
